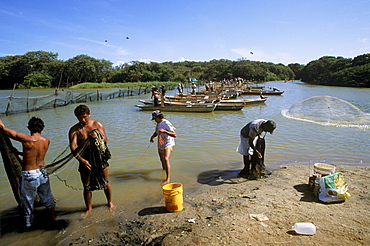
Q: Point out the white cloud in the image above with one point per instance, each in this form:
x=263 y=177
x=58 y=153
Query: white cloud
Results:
x=363 y=40
x=118 y=63
x=182 y=59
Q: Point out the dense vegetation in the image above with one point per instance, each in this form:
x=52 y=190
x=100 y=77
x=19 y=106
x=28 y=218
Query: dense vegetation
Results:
x=44 y=69
x=338 y=71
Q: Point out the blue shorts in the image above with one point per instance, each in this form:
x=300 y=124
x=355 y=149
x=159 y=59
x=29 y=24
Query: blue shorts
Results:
x=31 y=183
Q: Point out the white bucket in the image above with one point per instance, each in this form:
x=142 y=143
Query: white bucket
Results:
x=323 y=168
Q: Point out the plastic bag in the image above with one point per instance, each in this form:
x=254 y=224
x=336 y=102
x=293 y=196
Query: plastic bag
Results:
x=333 y=188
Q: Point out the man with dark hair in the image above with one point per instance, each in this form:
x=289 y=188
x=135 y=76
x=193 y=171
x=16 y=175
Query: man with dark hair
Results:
x=166 y=140
x=93 y=160
x=252 y=144
x=34 y=179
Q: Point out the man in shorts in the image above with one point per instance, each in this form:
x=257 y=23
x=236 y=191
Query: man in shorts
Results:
x=93 y=161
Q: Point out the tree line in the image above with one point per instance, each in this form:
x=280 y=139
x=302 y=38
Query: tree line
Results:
x=41 y=69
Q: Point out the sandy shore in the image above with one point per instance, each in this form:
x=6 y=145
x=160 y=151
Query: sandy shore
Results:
x=221 y=213
x=227 y=210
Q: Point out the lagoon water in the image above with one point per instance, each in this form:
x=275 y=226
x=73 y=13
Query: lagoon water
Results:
x=205 y=145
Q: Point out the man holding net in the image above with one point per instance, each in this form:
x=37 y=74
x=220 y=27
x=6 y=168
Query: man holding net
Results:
x=93 y=158
x=252 y=147
x=34 y=179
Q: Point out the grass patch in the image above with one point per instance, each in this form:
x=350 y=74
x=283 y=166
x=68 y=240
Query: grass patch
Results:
x=91 y=85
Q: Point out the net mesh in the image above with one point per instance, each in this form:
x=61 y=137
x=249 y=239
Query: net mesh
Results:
x=327 y=110
x=13 y=105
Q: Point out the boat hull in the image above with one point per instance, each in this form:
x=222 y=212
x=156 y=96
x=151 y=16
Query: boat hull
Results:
x=179 y=108
x=258 y=92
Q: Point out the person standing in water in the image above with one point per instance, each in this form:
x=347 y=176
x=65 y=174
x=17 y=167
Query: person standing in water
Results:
x=34 y=180
x=166 y=140
x=93 y=161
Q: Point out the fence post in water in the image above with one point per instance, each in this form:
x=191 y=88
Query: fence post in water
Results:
x=10 y=100
x=97 y=95
x=56 y=96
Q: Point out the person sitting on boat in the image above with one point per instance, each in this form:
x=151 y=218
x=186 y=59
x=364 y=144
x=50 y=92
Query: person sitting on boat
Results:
x=249 y=136
x=34 y=180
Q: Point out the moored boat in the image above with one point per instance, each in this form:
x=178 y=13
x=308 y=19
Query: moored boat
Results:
x=263 y=92
x=245 y=101
x=196 y=108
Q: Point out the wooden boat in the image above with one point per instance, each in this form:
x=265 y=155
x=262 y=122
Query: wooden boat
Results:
x=184 y=107
x=263 y=92
x=218 y=105
x=191 y=97
x=224 y=104
x=229 y=106
x=245 y=101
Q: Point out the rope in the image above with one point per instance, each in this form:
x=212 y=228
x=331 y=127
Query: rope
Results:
x=61 y=165
x=65 y=182
x=144 y=153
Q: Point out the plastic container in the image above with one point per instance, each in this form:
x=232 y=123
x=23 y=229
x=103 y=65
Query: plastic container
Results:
x=304 y=228
x=173 y=197
x=323 y=168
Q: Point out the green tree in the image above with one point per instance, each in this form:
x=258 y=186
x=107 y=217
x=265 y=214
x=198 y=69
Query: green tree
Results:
x=296 y=68
x=36 y=80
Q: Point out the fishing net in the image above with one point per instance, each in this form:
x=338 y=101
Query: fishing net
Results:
x=93 y=149
x=24 y=103
x=327 y=110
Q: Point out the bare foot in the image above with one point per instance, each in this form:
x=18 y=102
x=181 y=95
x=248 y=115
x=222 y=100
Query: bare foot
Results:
x=111 y=206
x=84 y=215
x=165 y=182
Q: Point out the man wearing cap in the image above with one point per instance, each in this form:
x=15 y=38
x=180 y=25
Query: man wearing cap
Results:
x=166 y=140
x=250 y=138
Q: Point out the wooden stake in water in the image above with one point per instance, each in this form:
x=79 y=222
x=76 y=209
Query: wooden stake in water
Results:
x=10 y=99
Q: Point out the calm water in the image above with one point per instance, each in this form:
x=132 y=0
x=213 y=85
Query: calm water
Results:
x=206 y=142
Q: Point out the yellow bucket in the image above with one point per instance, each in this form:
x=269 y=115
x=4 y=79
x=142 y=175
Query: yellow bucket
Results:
x=173 y=197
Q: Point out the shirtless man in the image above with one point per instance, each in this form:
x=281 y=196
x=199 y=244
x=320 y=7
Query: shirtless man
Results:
x=78 y=134
x=34 y=179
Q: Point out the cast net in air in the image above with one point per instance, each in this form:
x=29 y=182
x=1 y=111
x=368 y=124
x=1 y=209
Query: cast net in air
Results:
x=330 y=111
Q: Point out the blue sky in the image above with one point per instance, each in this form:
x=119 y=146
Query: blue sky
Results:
x=292 y=31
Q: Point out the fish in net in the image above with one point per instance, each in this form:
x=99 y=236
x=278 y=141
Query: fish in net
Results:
x=327 y=110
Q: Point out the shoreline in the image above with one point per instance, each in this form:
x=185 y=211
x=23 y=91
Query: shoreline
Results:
x=223 y=212
x=227 y=210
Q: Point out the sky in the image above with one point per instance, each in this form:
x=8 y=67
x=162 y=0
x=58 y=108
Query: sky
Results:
x=291 y=31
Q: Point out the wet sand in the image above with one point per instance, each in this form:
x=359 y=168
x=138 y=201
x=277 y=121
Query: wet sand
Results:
x=222 y=212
